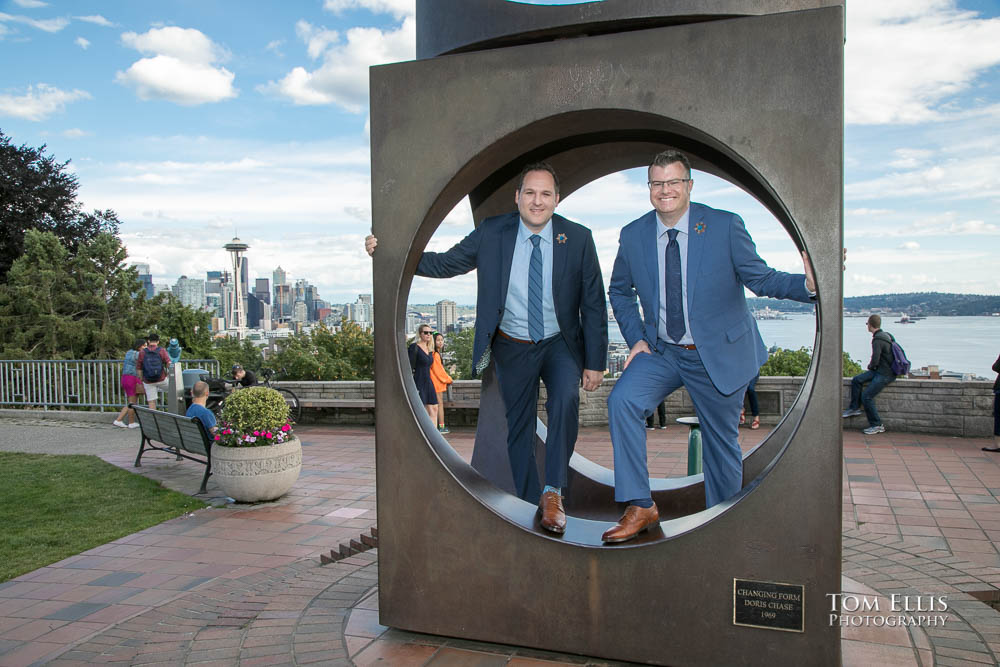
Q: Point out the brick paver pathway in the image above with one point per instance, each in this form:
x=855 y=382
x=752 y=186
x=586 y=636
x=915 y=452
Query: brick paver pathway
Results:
x=236 y=584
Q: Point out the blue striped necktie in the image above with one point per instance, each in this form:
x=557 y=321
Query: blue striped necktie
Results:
x=536 y=324
x=675 y=295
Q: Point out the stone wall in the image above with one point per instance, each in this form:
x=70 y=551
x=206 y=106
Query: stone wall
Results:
x=947 y=407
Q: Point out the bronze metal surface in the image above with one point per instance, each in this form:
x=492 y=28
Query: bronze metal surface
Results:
x=757 y=100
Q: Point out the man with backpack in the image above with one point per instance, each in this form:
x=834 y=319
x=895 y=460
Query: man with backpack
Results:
x=153 y=363
x=882 y=370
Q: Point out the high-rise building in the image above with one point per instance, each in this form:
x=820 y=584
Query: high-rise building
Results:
x=282 y=302
x=190 y=292
x=361 y=310
x=447 y=316
x=263 y=290
x=255 y=310
x=145 y=278
x=300 y=313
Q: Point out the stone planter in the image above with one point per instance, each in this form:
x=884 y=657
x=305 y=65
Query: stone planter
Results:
x=255 y=474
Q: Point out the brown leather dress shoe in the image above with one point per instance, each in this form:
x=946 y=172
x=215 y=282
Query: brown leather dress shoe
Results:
x=553 y=516
x=635 y=520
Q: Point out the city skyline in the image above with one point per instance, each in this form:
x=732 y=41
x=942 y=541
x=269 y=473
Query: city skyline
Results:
x=197 y=123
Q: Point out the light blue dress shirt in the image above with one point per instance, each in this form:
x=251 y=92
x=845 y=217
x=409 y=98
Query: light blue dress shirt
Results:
x=662 y=239
x=515 y=314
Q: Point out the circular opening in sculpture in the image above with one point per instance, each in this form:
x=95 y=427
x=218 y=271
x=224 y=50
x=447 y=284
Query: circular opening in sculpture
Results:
x=579 y=158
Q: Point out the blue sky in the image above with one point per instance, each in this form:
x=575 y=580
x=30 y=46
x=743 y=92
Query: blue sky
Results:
x=194 y=120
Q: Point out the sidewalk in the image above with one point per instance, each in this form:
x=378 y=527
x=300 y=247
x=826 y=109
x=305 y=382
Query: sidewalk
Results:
x=242 y=585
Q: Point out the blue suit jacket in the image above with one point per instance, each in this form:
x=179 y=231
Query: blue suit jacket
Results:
x=721 y=259
x=577 y=285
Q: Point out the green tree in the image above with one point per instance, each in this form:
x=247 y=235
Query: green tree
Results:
x=231 y=351
x=796 y=363
x=56 y=305
x=37 y=193
x=349 y=353
x=191 y=327
x=458 y=348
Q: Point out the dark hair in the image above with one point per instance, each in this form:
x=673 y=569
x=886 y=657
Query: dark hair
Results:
x=434 y=337
x=537 y=166
x=139 y=342
x=664 y=158
x=875 y=321
x=153 y=337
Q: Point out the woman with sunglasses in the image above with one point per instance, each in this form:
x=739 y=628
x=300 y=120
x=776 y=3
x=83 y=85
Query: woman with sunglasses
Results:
x=421 y=357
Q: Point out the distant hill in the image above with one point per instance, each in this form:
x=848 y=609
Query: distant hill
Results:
x=914 y=304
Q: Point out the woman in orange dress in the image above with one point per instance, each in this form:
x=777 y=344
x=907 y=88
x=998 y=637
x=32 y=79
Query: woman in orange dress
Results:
x=440 y=379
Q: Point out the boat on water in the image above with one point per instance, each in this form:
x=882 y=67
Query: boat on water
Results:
x=907 y=319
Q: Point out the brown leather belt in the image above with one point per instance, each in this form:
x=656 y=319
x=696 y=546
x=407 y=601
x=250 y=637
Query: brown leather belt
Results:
x=516 y=340
x=685 y=347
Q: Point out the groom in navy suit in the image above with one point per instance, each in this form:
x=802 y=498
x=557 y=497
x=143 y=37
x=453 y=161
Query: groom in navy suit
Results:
x=540 y=313
x=688 y=265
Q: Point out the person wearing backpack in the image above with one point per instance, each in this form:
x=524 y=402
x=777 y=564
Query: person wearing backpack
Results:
x=878 y=375
x=152 y=364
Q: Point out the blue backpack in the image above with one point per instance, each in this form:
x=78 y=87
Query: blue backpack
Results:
x=900 y=364
x=152 y=366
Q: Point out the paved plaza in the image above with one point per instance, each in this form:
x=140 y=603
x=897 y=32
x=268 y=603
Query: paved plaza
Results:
x=244 y=585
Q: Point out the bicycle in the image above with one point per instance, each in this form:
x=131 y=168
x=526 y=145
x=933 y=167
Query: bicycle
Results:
x=294 y=406
x=218 y=395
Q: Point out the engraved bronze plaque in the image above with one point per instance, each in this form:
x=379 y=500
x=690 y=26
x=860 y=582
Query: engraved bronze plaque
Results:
x=768 y=604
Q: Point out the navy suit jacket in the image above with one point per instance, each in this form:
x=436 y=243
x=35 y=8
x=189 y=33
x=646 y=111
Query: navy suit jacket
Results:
x=721 y=260
x=577 y=285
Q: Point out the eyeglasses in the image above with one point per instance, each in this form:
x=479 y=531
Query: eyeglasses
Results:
x=672 y=184
x=425 y=333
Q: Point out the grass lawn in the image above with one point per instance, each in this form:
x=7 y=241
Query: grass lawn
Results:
x=55 y=507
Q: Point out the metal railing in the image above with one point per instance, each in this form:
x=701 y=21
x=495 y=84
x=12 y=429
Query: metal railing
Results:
x=71 y=383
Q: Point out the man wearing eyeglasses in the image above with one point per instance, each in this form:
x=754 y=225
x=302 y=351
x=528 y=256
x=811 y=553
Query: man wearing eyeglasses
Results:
x=688 y=265
x=540 y=314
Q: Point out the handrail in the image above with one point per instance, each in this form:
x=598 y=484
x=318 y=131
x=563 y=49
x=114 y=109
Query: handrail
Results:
x=60 y=383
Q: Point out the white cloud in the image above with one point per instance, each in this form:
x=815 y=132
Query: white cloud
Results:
x=47 y=25
x=96 y=19
x=30 y=4
x=76 y=133
x=274 y=46
x=317 y=39
x=398 y=8
x=910 y=158
x=342 y=79
x=910 y=245
x=39 y=102
x=185 y=44
x=182 y=67
x=82 y=43
x=937 y=51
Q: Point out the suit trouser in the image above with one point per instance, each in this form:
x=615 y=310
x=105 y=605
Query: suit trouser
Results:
x=646 y=381
x=519 y=366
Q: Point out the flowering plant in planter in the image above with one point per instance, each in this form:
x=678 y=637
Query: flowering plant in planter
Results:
x=254 y=417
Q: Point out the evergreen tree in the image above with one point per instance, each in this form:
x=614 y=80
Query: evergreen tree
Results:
x=458 y=346
x=56 y=305
x=37 y=192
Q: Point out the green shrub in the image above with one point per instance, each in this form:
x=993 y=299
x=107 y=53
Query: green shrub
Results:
x=254 y=417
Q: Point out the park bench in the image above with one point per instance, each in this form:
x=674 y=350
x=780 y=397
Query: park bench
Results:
x=177 y=433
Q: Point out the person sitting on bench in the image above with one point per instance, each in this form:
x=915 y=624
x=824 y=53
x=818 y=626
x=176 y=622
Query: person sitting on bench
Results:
x=198 y=409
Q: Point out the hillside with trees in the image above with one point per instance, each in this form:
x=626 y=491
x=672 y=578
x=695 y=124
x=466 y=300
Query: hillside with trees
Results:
x=921 y=304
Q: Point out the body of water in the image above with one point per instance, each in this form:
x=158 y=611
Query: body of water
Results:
x=961 y=344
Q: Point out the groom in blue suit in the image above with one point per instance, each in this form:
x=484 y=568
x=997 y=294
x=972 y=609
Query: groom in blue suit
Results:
x=688 y=265
x=540 y=314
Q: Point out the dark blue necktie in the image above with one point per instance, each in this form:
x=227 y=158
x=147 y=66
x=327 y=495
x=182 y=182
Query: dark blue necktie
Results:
x=536 y=325
x=675 y=295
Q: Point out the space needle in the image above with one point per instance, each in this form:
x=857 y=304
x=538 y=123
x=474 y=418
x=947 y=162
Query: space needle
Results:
x=237 y=323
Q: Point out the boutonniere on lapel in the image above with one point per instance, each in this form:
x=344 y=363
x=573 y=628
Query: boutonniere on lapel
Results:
x=700 y=227
x=560 y=238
